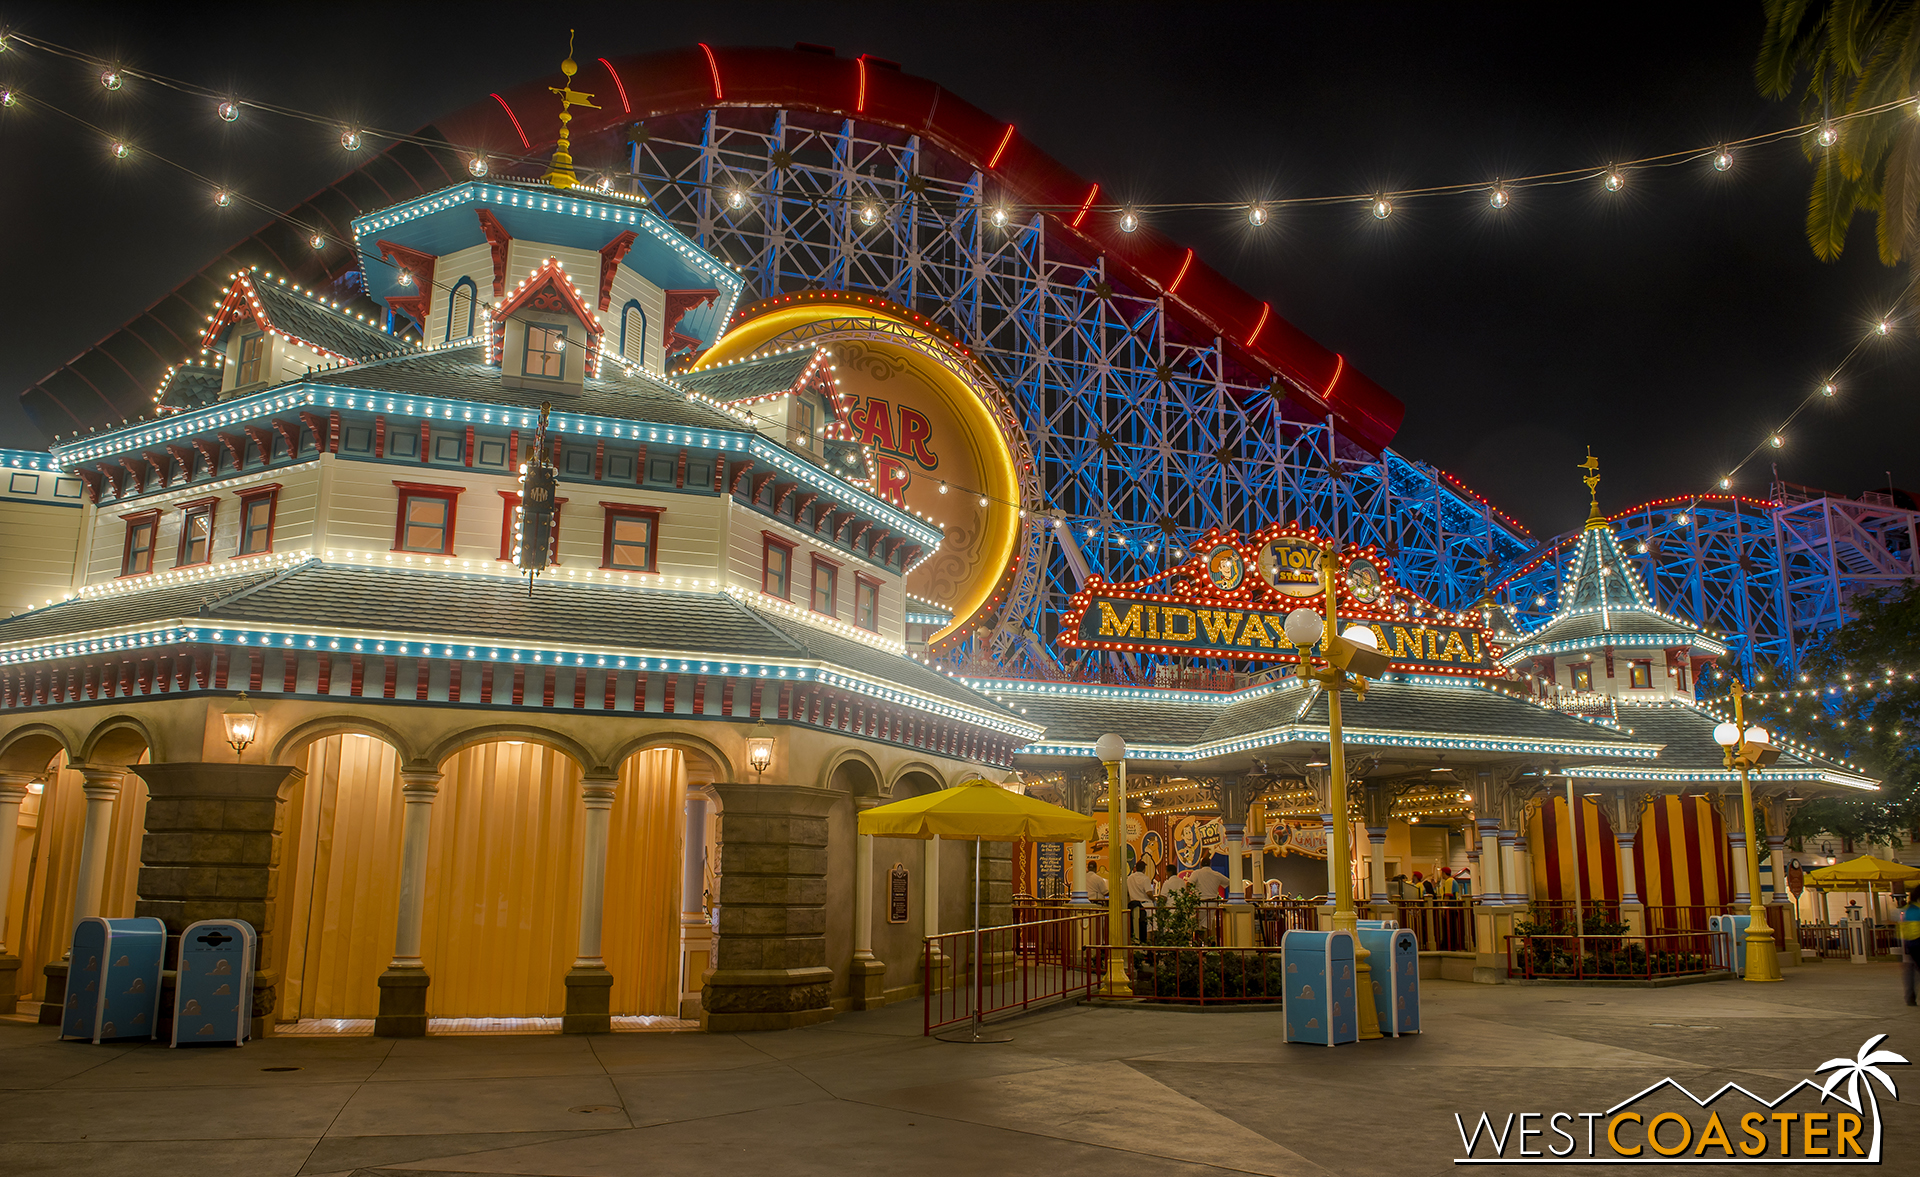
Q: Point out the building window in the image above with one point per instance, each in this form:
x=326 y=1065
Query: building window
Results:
x=136 y=555
x=546 y=352
x=425 y=519
x=826 y=579
x=1640 y=674
x=633 y=332
x=776 y=568
x=253 y=350
x=196 y=532
x=256 y=519
x=460 y=309
x=1583 y=677
x=866 y=603
x=803 y=422
x=630 y=539
x=1680 y=677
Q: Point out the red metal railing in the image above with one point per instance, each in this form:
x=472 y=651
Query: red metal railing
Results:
x=1207 y=976
x=1832 y=941
x=1616 y=958
x=1441 y=925
x=1022 y=966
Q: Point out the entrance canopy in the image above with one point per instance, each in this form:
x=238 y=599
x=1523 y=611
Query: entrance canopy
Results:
x=977 y=809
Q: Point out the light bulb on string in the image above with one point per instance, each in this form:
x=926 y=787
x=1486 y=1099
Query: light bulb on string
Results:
x=223 y=198
x=1883 y=327
x=1499 y=197
x=1722 y=160
x=1128 y=221
x=406 y=278
x=1829 y=389
x=1726 y=483
x=111 y=79
x=1256 y=215
x=477 y=165
x=317 y=241
x=1776 y=441
x=604 y=183
x=229 y=111
x=1382 y=208
x=1828 y=134
x=736 y=198
x=121 y=150
x=8 y=99
x=1615 y=180
x=999 y=218
x=350 y=140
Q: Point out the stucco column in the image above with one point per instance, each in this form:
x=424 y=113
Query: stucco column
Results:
x=13 y=791
x=1522 y=879
x=1079 y=872
x=867 y=981
x=1486 y=880
x=1777 y=867
x=102 y=788
x=1377 y=863
x=403 y=987
x=589 y=985
x=1737 y=848
x=696 y=925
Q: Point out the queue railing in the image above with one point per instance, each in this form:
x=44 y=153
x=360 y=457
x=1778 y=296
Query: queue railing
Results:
x=1616 y=958
x=1022 y=966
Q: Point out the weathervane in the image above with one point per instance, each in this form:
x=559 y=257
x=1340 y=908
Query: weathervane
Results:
x=560 y=171
x=1592 y=479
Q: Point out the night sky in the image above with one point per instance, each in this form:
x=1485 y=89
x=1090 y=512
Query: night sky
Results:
x=1670 y=326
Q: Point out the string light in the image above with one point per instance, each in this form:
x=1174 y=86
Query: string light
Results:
x=869 y=214
x=229 y=111
x=1498 y=198
x=1883 y=327
x=999 y=217
x=7 y=98
x=477 y=166
x=1382 y=208
x=121 y=150
x=111 y=79
x=1828 y=134
x=1616 y=179
x=736 y=198
x=1776 y=441
x=1129 y=221
x=350 y=140
x=1256 y=215
x=1828 y=389
x=1722 y=160
x=223 y=198
x=317 y=241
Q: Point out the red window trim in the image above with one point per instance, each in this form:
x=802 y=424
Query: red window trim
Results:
x=425 y=490
x=135 y=519
x=629 y=510
x=813 y=585
x=246 y=495
x=512 y=503
x=769 y=539
x=859 y=579
x=187 y=509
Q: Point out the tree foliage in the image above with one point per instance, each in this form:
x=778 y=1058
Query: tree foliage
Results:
x=1848 y=56
x=1877 y=728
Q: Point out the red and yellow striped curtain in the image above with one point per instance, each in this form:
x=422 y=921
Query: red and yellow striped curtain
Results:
x=1680 y=854
x=1550 y=839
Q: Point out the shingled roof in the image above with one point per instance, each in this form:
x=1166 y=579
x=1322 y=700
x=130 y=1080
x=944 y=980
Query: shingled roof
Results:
x=768 y=375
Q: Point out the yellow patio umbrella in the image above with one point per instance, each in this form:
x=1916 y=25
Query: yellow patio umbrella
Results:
x=977 y=809
x=1863 y=872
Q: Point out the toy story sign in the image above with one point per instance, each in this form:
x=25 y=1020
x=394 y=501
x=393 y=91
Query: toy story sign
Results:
x=1230 y=600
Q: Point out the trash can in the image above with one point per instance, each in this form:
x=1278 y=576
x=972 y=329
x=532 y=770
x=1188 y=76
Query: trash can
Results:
x=1320 y=1004
x=113 y=981
x=213 y=998
x=1394 y=958
x=1730 y=951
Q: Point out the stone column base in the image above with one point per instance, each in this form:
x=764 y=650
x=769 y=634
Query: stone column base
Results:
x=867 y=983
x=589 y=1002
x=9 y=984
x=403 y=1004
x=767 y=999
x=53 y=1002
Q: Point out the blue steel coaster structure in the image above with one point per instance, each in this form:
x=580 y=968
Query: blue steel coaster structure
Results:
x=808 y=173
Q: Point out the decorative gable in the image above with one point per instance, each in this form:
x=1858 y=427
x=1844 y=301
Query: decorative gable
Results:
x=544 y=335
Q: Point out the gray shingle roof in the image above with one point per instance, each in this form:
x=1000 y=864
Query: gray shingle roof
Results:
x=1687 y=733
x=1470 y=711
x=864 y=659
x=85 y=614
x=191 y=388
x=324 y=327
x=763 y=376
x=461 y=374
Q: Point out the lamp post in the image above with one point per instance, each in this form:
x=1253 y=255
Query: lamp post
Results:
x=1112 y=751
x=1354 y=652
x=1747 y=748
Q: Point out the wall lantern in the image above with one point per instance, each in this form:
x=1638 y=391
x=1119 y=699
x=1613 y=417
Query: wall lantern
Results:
x=243 y=724
x=760 y=749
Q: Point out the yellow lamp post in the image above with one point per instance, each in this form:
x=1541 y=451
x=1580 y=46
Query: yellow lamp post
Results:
x=1745 y=749
x=1112 y=751
x=1354 y=652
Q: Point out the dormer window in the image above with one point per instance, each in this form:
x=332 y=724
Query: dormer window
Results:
x=253 y=354
x=803 y=422
x=1583 y=677
x=546 y=355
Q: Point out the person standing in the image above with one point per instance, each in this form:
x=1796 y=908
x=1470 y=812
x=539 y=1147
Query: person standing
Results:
x=1139 y=894
x=1910 y=943
x=1096 y=887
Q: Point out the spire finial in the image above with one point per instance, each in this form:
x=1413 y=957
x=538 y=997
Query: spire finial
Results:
x=1592 y=479
x=560 y=170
